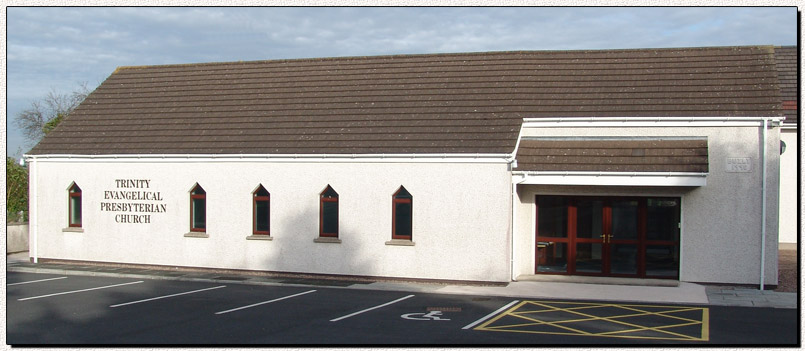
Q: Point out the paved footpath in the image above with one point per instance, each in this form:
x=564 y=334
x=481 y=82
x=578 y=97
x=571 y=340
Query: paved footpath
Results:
x=688 y=293
x=742 y=296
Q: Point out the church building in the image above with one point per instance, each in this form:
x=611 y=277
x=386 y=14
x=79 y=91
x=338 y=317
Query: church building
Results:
x=476 y=167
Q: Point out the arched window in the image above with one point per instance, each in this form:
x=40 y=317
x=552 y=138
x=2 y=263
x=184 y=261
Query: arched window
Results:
x=261 y=211
x=75 y=206
x=402 y=214
x=328 y=213
x=198 y=209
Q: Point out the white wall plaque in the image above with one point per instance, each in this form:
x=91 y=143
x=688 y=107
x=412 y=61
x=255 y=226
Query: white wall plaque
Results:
x=739 y=164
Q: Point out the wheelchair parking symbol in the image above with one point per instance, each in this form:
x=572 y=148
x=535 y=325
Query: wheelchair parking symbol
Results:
x=430 y=316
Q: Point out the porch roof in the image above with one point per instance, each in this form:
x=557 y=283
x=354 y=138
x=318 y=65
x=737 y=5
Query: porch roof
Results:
x=650 y=161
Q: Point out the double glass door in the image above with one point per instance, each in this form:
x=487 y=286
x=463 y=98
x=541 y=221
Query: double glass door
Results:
x=608 y=236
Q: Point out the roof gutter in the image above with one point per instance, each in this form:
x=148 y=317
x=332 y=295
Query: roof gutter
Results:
x=328 y=158
x=605 y=173
x=613 y=178
x=650 y=122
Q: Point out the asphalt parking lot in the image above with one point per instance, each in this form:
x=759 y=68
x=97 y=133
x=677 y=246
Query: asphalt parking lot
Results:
x=50 y=309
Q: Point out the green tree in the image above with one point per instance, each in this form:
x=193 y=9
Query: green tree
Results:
x=16 y=191
x=46 y=113
x=53 y=123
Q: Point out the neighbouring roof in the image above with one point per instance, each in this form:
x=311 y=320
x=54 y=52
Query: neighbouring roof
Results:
x=612 y=154
x=435 y=103
x=787 y=69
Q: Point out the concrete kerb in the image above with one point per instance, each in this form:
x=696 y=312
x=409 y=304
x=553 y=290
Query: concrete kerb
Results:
x=256 y=281
x=686 y=293
x=18 y=257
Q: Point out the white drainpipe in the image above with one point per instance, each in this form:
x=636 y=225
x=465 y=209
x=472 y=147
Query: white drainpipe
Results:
x=32 y=214
x=763 y=210
x=515 y=203
x=514 y=227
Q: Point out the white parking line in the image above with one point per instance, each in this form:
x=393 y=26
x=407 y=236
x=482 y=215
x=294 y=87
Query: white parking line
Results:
x=491 y=314
x=265 y=302
x=371 y=308
x=78 y=291
x=167 y=296
x=35 y=281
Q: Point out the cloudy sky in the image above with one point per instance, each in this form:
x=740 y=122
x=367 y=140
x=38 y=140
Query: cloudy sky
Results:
x=56 y=49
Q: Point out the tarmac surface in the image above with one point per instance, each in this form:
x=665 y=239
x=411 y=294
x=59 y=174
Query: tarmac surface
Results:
x=687 y=293
x=59 y=310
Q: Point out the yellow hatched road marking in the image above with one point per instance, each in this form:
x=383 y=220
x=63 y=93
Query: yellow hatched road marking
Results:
x=663 y=313
x=628 y=324
x=504 y=313
x=564 y=321
x=607 y=336
x=512 y=325
x=639 y=327
x=644 y=313
x=538 y=322
x=532 y=316
x=656 y=329
x=705 y=324
x=554 y=308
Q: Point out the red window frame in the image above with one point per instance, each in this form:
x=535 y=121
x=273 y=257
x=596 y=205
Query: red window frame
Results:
x=395 y=200
x=257 y=198
x=192 y=208
x=74 y=192
x=322 y=200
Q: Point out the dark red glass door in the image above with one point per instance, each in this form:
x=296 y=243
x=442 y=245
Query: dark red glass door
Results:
x=607 y=236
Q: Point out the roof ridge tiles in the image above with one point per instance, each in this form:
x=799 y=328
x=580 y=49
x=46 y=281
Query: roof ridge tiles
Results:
x=445 y=54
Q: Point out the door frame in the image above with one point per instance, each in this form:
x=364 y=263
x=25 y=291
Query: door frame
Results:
x=607 y=243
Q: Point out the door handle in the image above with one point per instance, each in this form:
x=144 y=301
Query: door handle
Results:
x=607 y=238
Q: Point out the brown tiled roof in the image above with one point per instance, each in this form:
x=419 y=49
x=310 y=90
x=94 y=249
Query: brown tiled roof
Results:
x=436 y=103
x=787 y=68
x=612 y=155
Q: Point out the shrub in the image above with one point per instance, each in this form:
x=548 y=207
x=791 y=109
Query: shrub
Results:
x=16 y=191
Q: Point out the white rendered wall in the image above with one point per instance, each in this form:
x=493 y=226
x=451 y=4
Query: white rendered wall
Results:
x=721 y=233
x=461 y=215
x=789 y=187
